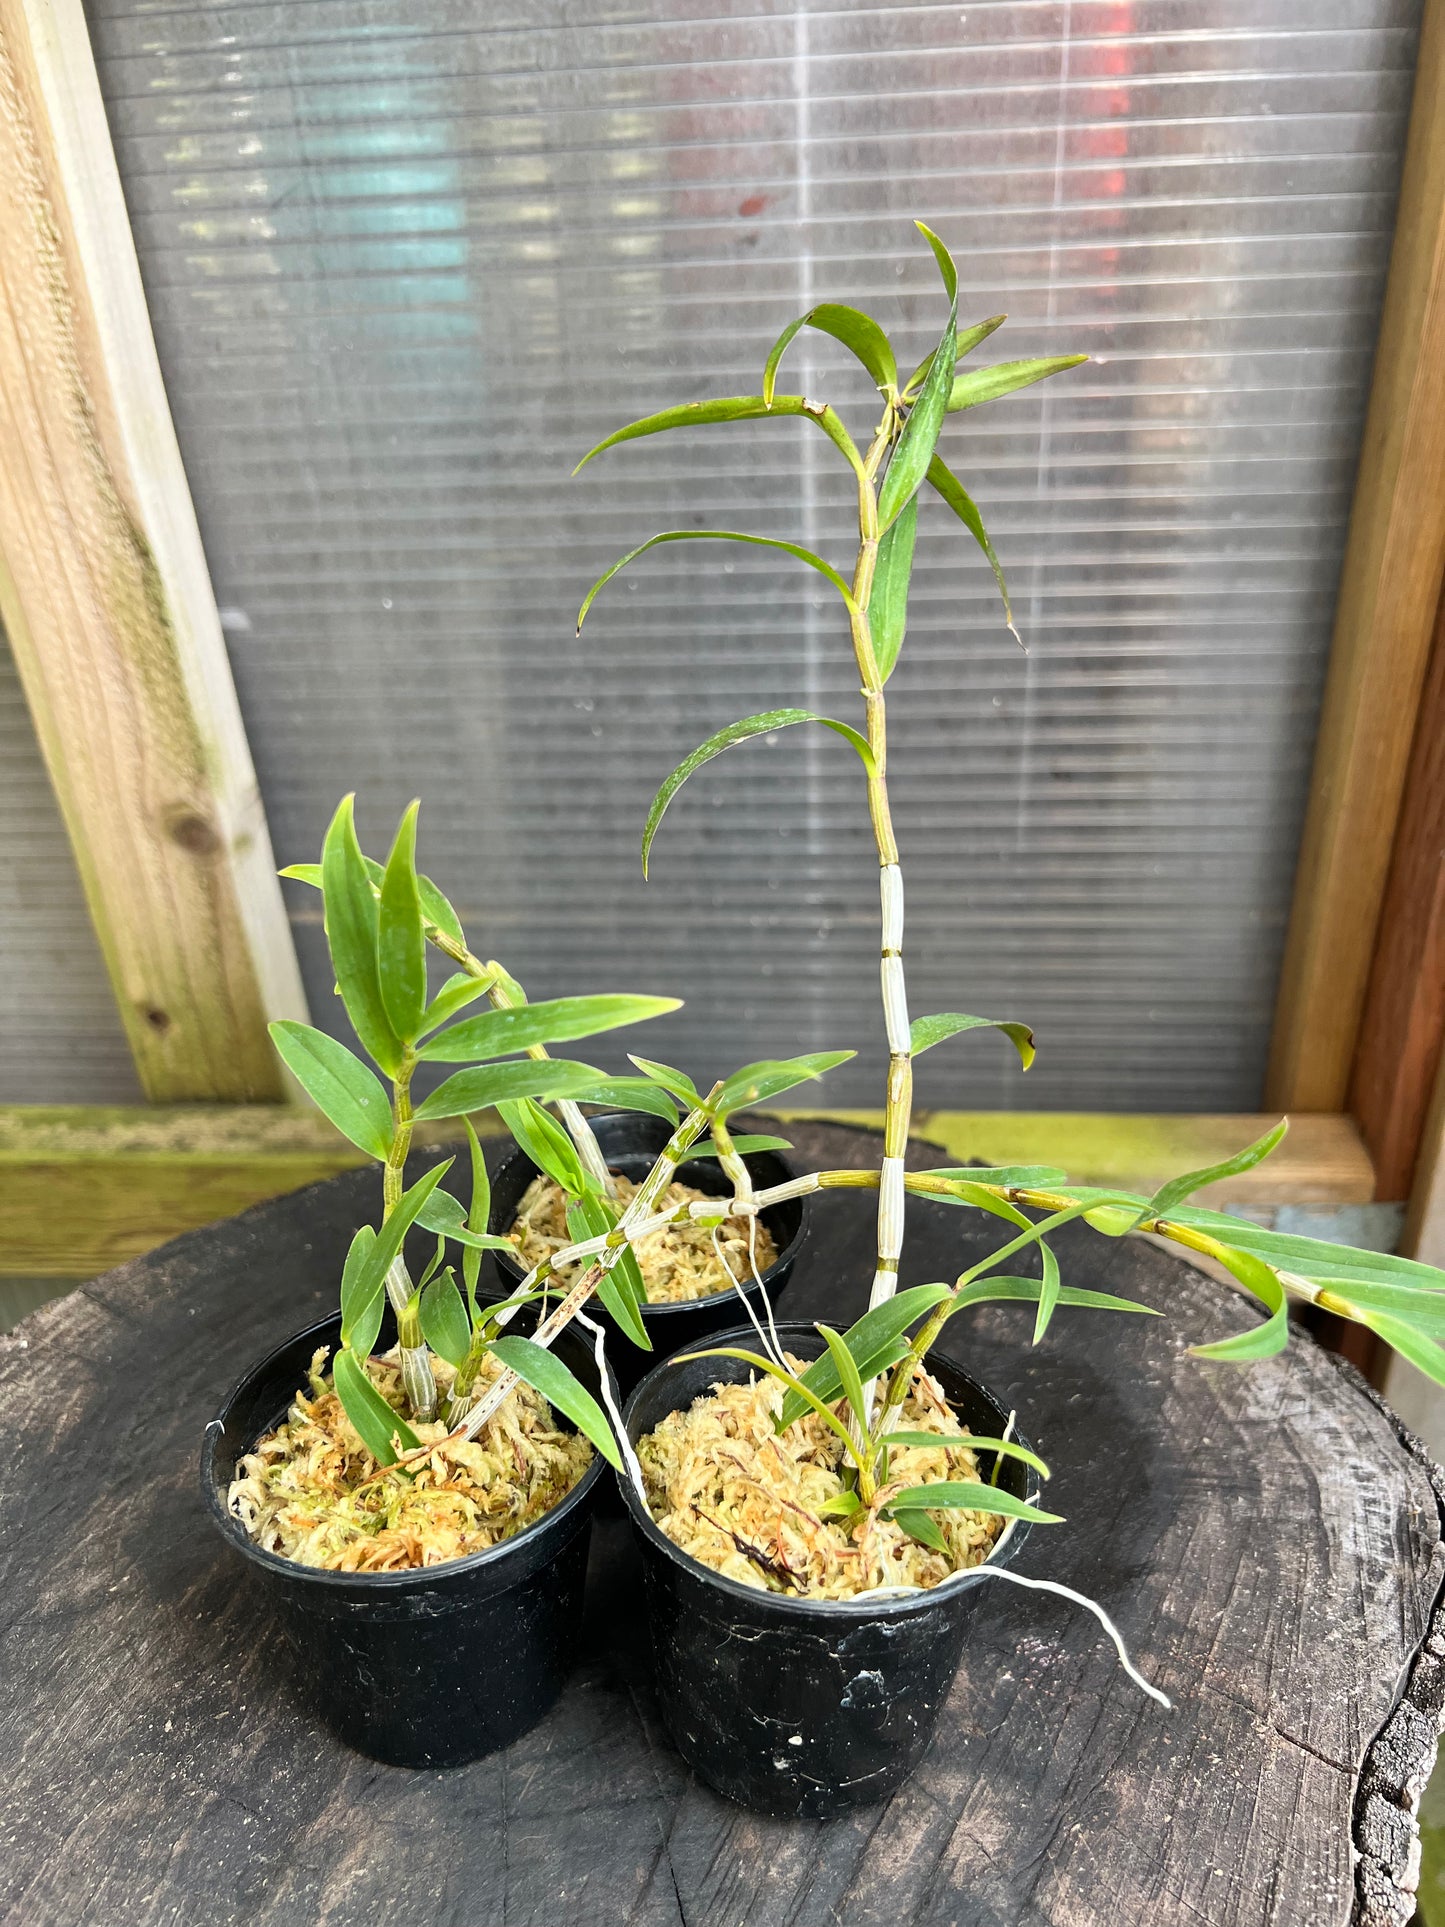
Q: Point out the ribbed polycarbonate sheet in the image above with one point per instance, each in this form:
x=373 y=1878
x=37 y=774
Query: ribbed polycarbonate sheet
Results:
x=406 y=263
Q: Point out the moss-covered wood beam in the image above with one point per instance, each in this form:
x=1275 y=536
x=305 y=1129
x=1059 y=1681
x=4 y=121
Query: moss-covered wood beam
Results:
x=87 y=1188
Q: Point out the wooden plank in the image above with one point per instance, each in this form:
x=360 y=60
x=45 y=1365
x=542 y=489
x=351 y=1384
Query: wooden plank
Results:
x=106 y=599
x=86 y=1188
x=1403 y=1028
x=1424 y=1236
x=1389 y=591
x=1268 y=1544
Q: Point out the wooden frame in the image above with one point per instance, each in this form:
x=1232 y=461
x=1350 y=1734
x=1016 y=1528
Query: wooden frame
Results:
x=104 y=592
x=1389 y=593
x=105 y=596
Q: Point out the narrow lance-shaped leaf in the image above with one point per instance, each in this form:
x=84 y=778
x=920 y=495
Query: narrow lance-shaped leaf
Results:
x=745 y=1146
x=474 y=1090
x=392 y=1235
x=1421 y=1351
x=478 y=1216
x=816 y=562
x=621 y=1288
x=435 y=907
x=876 y=1331
x=945 y=483
x=501 y=1033
x=446 y=1215
x=545 y=1143
x=444 y=1322
x=848 y=1374
x=1003 y=1448
x=1050 y=1286
x=376 y=1423
x=764 y=724
x=998 y=1289
x=909 y=462
x=888 y=600
x=401 y=934
x=858 y=332
x=351 y=1276
x=987 y=384
x=1178 y=1189
x=351 y=920
x=633 y=1094
x=459 y=990
x=925 y=1032
x=757 y=1083
x=968 y=1496
x=968 y=340
x=732 y=408
x=1261 y=1341
x=1032 y=1176
x=549 y=1376
x=678 y=1083
x=347 y=1091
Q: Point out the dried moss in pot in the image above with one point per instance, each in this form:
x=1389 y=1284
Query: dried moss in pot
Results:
x=311 y=1491
x=761 y=1506
x=678 y=1262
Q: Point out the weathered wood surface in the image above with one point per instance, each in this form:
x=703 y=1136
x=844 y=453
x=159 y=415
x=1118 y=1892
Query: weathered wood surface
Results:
x=1268 y=1542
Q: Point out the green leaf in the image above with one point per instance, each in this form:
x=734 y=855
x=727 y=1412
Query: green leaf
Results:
x=351 y=1275
x=997 y=1288
x=347 y=1090
x=1261 y=1341
x=550 y=1377
x=919 y=1526
x=545 y=1143
x=475 y=1089
x=732 y=408
x=945 y=483
x=459 y=990
x=763 y=724
x=987 y=384
x=478 y=1215
x=1411 y=1344
x=621 y=1288
x=964 y=1188
x=925 y=1032
x=444 y=1214
x=968 y=340
x=634 y=1094
x=351 y=920
x=968 y=1496
x=879 y=1329
x=387 y=1243
x=401 y=934
x=1178 y=1189
x=798 y=1388
x=719 y=535
x=1049 y=1288
x=500 y=1033
x=744 y=1146
x=376 y=1423
x=444 y=1322
x=437 y=911
x=848 y=1376
x=909 y=462
x=1312 y=1258
x=677 y=1082
x=303 y=873
x=365 y=1331
x=1006 y=1448
x=888 y=599
x=1422 y=1307
x=758 y=1083
x=858 y=332
x=841 y=1506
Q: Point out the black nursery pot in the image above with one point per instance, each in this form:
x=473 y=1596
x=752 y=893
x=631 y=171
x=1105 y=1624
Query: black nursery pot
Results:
x=431 y=1667
x=800 y=1708
x=632 y=1142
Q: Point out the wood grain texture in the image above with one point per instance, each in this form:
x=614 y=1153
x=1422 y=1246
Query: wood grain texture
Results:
x=1389 y=592
x=1404 y=1020
x=107 y=603
x=1268 y=1543
x=88 y=1187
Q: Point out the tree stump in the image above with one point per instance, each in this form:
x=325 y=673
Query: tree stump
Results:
x=1267 y=1538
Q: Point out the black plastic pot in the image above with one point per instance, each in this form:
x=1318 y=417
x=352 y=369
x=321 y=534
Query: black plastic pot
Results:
x=631 y=1142
x=431 y=1667
x=800 y=1707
